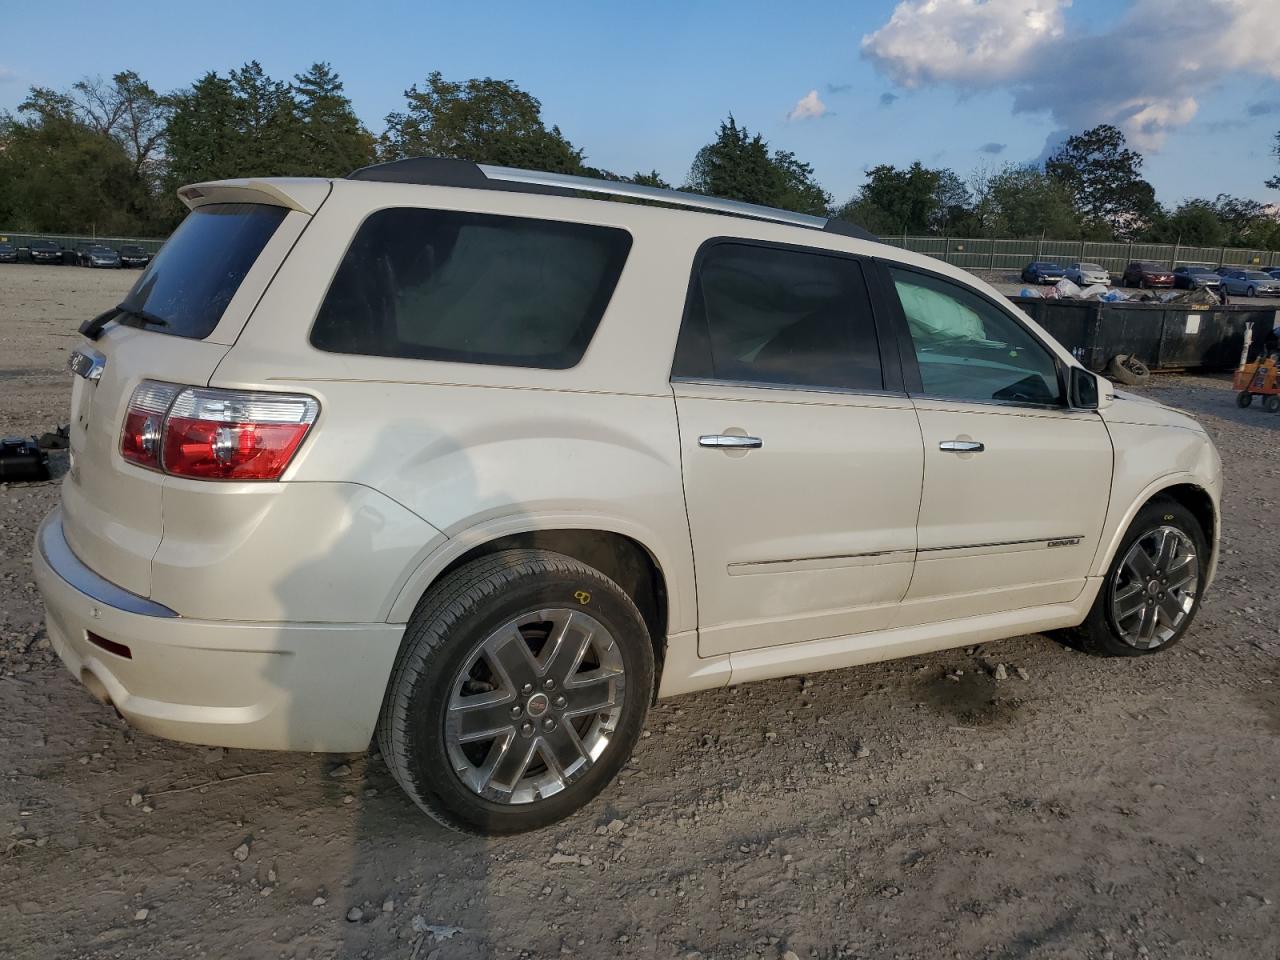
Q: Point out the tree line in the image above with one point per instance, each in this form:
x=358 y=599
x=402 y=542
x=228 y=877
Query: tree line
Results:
x=106 y=156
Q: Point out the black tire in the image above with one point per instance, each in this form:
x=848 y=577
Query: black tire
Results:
x=451 y=621
x=1128 y=369
x=1243 y=399
x=1272 y=403
x=1251 y=292
x=1099 y=635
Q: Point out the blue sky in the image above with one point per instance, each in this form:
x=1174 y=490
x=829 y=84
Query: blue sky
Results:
x=640 y=87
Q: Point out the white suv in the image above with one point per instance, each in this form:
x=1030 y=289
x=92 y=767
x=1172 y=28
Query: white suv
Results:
x=466 y=459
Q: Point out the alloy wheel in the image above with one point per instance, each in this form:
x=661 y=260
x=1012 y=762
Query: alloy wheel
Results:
x=535 y=705
x=1154 y=588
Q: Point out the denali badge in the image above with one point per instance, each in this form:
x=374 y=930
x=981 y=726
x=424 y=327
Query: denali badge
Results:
x=1064 y=542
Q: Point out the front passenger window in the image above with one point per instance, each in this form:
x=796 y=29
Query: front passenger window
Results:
x=967 y=348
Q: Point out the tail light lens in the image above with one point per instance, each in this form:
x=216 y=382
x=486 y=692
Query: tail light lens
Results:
x=144 y=423
x=213 y=434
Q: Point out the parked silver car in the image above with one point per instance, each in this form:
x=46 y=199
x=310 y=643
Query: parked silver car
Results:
x=1087 y=274
x=1250 y=283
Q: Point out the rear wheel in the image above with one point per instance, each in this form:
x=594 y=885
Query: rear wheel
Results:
x=1272 y=403
x=1151 y=593
x=519 y=692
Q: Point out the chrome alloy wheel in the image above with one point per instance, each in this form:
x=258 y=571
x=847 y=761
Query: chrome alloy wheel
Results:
x=535 y=705
x=1154 y=589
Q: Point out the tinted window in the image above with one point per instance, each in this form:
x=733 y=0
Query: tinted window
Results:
x=968 y=348
x=199 y=269
x=765 y=315
x=471 y=288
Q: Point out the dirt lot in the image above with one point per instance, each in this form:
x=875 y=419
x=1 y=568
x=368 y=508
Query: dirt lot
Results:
x=1093 y=809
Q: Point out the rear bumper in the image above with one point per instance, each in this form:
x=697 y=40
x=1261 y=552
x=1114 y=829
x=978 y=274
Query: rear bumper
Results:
x=264 y=686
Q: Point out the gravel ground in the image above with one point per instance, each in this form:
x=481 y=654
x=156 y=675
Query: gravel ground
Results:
x=918 y=808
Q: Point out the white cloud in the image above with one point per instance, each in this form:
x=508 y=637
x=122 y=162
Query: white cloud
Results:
x=7 y=75
x=1147 y=73
x=808 y=107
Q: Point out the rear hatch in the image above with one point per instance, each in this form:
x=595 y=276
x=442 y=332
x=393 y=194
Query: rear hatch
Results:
x=175 y=325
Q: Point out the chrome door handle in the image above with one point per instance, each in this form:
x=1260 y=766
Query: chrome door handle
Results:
x=962 y=446
x=730 y=442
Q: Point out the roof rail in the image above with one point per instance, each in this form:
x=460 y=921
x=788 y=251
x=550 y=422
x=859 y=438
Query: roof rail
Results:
x=443 y=172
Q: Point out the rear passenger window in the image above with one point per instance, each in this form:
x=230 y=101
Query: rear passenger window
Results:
x=767 y=315
x=471 y=288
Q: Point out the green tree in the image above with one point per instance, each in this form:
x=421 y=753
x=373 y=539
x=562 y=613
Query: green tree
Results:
x=737 y=165
x=203 y=132
x=335 y=142
x=67 y=176
x=897 y=200
x=1023 y=201
x=488 y=121
x=1195 y=222
x=1105 y=178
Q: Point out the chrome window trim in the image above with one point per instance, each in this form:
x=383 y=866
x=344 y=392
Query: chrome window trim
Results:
x=58 y=555
x=791 y=387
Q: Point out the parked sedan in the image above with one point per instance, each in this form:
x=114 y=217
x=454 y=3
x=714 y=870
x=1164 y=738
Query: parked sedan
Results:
x=132 y=255
x=45 y=251
x=1195 y=276
x=1144 y=273
x=1042 y=271
x=8 y=253
x=1087 y=274
x=1251 y=283
x=97 y=255
x=1273 y=272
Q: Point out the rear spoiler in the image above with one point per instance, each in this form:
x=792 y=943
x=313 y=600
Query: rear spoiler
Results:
x=304 y=194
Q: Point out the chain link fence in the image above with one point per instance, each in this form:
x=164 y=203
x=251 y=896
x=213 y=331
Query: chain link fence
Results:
x=69 y=241
x=983 y=254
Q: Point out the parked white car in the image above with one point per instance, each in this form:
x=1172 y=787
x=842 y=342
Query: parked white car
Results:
x=1087 y=274
x=455 y=457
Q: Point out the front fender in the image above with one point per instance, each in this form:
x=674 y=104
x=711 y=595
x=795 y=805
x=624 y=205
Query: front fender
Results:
x=1147 y=461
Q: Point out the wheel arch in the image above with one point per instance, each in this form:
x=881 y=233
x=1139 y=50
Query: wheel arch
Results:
x=1186 y=490
x=624 y=556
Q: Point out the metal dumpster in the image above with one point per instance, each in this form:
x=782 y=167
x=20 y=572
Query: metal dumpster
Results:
x=1163 y=336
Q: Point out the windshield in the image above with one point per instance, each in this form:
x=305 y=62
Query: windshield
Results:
x=43 y=245
x=1255 y=275
x=192 y=279
x=1150 y=266
x=1093 y=267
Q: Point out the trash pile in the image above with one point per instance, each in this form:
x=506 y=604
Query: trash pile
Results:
x=1064 y=289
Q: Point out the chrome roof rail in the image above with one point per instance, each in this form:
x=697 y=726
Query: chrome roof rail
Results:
x=436 y=171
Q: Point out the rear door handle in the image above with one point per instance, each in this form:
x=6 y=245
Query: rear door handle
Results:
x=728 y=441
x=962 y=446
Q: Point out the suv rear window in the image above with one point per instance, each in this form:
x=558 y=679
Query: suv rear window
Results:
x=471 y=288
x=196 y=273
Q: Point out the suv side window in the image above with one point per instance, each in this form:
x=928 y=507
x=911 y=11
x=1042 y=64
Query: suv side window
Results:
x=471 y=288
x=967 y=348
x=769 y=315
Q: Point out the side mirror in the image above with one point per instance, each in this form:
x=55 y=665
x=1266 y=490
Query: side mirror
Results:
x=1088 y=391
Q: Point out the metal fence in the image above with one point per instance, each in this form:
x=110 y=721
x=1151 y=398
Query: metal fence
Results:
x=68 y=241
x=972 y=254
x=979 y=254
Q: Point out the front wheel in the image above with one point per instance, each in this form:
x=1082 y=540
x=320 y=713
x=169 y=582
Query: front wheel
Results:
x=1251 y=292
x=1243 y=399
x=1152 y=589
x=519 y=692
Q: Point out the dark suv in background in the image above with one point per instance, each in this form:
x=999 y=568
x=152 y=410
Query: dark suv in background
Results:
x=45 y=251
x=1144 y=273
x=132 y=255
x=8 y=253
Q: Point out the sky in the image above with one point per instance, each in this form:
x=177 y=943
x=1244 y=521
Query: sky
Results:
x=1195 y=84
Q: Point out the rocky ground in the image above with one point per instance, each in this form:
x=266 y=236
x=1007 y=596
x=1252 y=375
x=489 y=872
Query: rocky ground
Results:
x=1080 y=808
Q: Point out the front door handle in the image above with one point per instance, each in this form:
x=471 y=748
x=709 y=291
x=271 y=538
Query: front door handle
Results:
x=729 y=442
x=962 y=446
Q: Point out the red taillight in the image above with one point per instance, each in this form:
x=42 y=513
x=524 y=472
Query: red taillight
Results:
x=213 y=434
